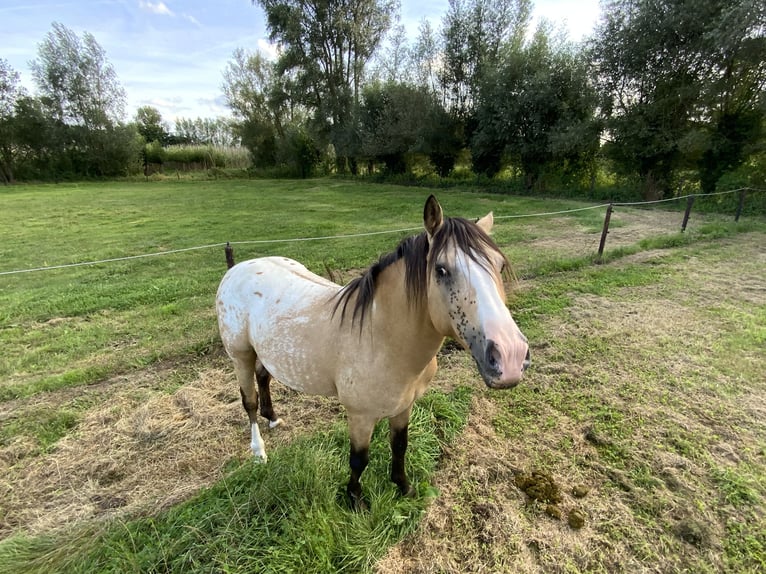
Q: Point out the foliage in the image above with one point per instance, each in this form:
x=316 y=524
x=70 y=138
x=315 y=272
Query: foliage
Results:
x=10 y=93
x=732 y=90
x=325 y=46
x=75 y=80
x=475 y=32
x=297 y=152
x=204 y=131
x=548 y=118
x=150 y=125
x=672 y=68
x=73 y=128
x=252 y=93
x=392 y=120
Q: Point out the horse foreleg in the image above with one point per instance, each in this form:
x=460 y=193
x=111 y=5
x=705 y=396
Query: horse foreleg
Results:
x=398 y=427
x=360 y=430
x=244 y=367
x=264 y=393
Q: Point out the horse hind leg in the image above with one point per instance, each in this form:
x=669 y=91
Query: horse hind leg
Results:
x=264 y=392
x=245 y=367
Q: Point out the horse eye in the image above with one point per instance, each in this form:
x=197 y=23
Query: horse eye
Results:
x=442 y=271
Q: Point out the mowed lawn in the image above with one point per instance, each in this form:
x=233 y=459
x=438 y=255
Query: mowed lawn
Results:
x=636 y=442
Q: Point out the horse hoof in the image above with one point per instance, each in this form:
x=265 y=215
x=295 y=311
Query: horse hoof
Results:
x=357 y=502
x=409 y=492
x=260 y=458
x=276 y=423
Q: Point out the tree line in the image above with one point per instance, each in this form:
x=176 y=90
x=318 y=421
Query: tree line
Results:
x=663 y=90
x=664 y=93
x=74 y=127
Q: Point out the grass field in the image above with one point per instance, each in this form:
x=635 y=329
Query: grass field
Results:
x=123 y=446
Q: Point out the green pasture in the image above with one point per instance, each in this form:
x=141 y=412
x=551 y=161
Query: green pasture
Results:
x=62 y=327
x=634 y=387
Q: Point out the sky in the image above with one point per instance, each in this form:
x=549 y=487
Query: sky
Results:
x=170 y=54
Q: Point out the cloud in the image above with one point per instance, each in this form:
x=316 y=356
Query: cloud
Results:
x=155 y=8
x=161 y=9
x=271 y=51
x=191 y=19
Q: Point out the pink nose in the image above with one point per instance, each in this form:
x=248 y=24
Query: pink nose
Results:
x=506 y=363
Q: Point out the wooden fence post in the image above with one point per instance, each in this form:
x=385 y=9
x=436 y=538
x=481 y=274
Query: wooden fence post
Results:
x=741 y=204
x=229 y=255
x=689 y=203
x=607 y=217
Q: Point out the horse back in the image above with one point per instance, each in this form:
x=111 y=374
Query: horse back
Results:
x=284 y=312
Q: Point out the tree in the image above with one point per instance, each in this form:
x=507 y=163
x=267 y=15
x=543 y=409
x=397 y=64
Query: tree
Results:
x=537 y=107
x=85 y=105
x=256 y=100
x=474 y=31
x=76 y=81
x=392 y=122
x=205 y=131
x=10 y=93
x=425 y=57
x=325 y=47
x=664 y=66
x=394 y=64
x=150 y=125
x=732 y=90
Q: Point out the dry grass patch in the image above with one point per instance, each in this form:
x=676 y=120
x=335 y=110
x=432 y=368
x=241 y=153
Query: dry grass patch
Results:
x=138 y=447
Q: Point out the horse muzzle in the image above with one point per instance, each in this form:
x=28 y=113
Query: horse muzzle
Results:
x=502 y=366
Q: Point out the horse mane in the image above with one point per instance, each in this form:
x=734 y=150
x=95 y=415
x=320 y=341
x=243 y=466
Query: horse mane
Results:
x=414 y=250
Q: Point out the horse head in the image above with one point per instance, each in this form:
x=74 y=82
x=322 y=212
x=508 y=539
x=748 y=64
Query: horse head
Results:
x=466 y=295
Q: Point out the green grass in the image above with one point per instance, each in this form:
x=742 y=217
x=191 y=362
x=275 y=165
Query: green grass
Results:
x=75 y=326
x=670 y=393
x=289 y=515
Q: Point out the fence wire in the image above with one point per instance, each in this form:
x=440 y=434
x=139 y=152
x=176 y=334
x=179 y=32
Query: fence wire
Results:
x=356 y=235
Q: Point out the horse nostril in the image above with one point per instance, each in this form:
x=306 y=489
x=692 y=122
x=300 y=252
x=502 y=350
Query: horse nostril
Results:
x=527 y=360
x=492 y=356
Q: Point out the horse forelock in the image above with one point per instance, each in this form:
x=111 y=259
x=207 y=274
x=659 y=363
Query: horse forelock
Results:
x=469 y=238
x=465 y=235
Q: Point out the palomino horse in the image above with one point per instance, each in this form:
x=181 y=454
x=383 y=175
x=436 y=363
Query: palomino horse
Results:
x=372 y=343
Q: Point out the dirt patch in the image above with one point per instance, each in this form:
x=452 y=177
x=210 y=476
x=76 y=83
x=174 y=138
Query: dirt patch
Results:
x=565 y=238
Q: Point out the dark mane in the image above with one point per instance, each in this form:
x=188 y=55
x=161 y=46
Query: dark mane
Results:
x=414 y=251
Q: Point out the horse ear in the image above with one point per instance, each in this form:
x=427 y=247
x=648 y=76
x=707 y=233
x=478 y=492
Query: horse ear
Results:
x=486 y=223
x=432 y=216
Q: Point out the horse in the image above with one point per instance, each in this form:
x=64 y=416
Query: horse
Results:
x=372 y=343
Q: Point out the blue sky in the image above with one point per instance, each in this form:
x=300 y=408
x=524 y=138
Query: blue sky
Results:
x=170 y=53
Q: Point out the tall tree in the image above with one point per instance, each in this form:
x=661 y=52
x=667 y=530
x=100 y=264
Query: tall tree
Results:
x=77 y=82
x=668 y=67
x=733 y=90
x=394 y=63
x=85 y=103
x=256 y=99
x=537 y=107
x=10 y=92
x=150 y=125
x=425 y=57
x=325 y=47
x=392 y=120
x=474 y=32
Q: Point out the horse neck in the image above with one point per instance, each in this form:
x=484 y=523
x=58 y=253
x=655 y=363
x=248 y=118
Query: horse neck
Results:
x=406 y=324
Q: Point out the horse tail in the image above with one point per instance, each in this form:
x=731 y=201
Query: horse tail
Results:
x=229 y=255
